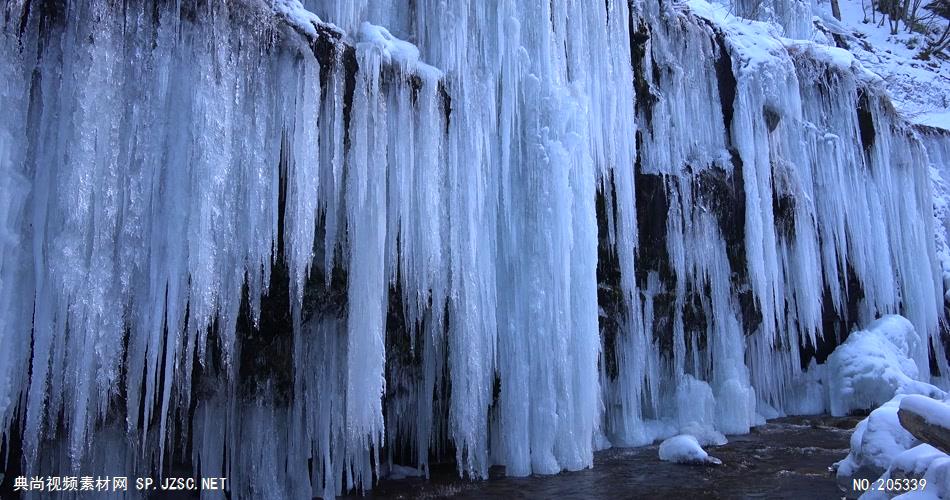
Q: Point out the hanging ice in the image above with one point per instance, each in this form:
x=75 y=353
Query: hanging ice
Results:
x=239 y=238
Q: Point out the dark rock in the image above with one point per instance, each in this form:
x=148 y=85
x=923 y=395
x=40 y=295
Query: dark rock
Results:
x=935 y=435
x=865 y=121
x=772 y=117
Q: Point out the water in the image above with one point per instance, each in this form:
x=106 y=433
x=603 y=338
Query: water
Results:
x=785 y=458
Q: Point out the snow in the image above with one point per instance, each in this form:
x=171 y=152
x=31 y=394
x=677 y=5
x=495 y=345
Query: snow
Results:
x=920 y=89
x=754 y=44
x=392 y=49
x=834 y=57
x=872 y=365
x=939 y=119
x=876 y=441
x=684 y=449
x=882 y=449
x=922 y=462
x=298 y=16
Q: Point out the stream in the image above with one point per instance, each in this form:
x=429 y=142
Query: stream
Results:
x=785 y=458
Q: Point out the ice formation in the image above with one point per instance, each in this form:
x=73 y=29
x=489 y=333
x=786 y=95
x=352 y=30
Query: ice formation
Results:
x=873 y=365
x=685 y=449
x=238 y=238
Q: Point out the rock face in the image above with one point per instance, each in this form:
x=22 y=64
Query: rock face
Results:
x=237 y=238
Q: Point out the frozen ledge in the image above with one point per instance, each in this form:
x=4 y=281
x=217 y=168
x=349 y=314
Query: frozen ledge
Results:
x=302 y=20
x=393 y=51
x=759 y=44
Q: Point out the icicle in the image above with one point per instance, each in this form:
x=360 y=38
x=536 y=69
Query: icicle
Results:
x=406 y=201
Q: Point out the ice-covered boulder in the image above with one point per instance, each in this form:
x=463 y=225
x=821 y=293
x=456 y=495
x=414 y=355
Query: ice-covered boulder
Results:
x=873 y=365
x=685 y=449
x=875 y=442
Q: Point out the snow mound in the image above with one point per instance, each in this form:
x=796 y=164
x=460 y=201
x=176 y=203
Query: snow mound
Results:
x=685 y=449
x=876 y=441
x=873 y=365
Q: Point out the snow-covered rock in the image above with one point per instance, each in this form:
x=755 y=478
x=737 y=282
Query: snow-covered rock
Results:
x=685 y=449
x=933 y=411
x=883 y=449
x=875 y=442
x=927 y=419
x=297 y=16
x=922 y=462
x=873 y=365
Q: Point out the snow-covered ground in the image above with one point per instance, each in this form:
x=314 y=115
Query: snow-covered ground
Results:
x=920 y=89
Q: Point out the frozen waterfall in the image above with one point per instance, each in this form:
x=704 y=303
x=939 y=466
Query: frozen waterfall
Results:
x=288 y=242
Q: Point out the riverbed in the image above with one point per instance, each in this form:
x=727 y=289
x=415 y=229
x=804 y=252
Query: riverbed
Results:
x=785 y=458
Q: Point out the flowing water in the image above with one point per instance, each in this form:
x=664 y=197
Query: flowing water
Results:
x=786 y=458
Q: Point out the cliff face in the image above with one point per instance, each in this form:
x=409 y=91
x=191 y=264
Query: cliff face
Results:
x=267 y=247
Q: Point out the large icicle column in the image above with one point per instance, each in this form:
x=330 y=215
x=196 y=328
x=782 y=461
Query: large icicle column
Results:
x=294 y=244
